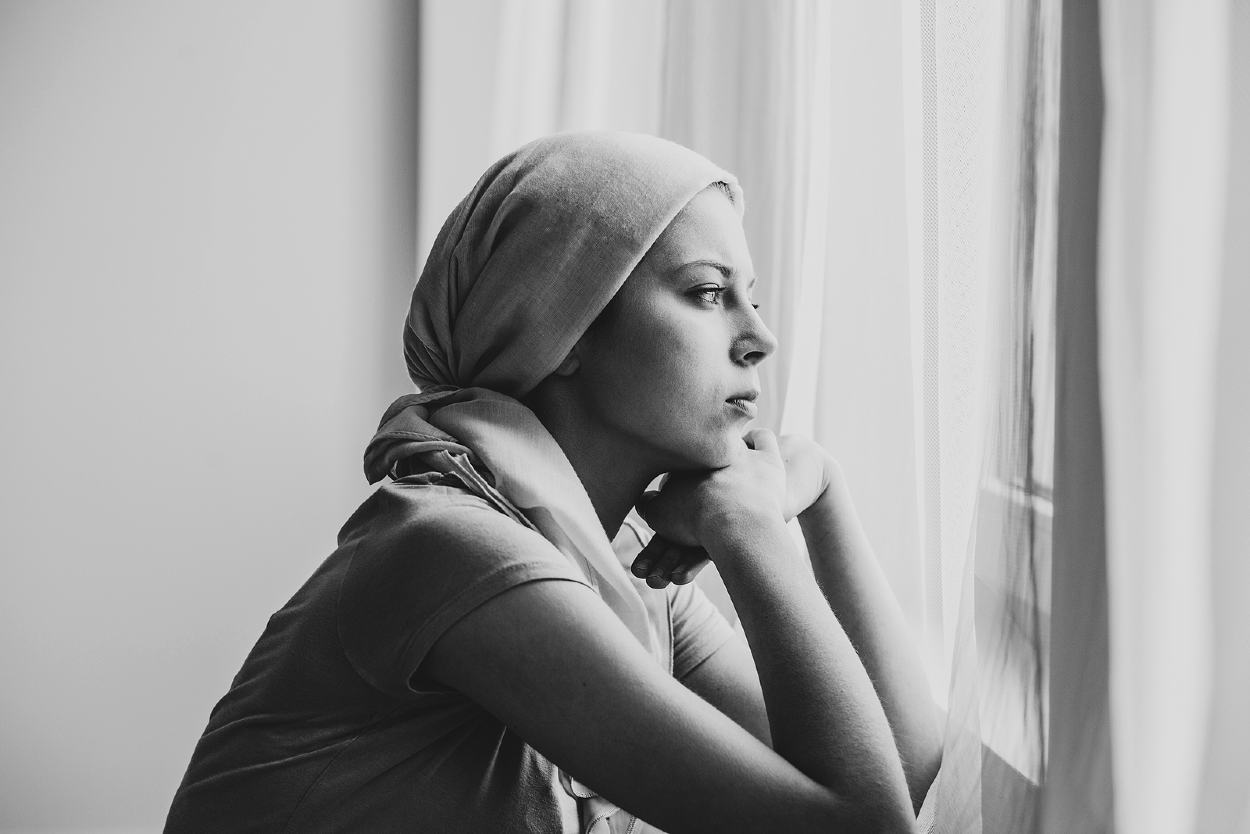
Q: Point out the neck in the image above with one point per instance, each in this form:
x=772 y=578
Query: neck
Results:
x=614 y=476
x=612 y=484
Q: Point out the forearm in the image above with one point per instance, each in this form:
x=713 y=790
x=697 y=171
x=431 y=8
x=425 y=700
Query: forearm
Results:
x=856 y=589
x=824 y=714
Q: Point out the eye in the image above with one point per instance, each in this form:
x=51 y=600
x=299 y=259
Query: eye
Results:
x=709 y=293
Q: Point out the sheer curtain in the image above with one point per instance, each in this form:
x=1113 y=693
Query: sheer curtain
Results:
x=574 y=65
x=988 y=107
x=1173 y=276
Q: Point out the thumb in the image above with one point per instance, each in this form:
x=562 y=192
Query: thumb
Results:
x=763 y=440
x=644 y=503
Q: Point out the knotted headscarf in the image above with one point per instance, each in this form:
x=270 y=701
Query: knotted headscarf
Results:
x=524 y=264
x=537 y=249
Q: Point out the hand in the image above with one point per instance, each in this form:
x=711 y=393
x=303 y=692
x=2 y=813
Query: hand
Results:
x=663 y=561
x=695 y=509
x=691 y=508
x=666 y=558
x=809 y=470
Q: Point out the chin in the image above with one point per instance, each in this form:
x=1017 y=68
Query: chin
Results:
x=708 y=454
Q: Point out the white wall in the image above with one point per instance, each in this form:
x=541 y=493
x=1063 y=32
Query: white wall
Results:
x=207 y=226
x=455 y=145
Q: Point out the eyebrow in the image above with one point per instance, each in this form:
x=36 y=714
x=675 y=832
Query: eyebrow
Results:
x=724 y=269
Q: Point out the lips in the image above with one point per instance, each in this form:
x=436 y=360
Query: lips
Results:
x=745 y=403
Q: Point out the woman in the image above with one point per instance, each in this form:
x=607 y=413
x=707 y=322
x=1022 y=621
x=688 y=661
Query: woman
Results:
x=475 y=655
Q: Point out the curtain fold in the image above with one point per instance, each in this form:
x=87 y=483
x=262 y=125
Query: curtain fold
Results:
x=574 y=65
x=1172 y=304
x=1224 y=804
x=1078 y=794
x=1225 y=801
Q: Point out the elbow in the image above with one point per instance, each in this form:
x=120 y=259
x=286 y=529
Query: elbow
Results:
x=887 y=812
x=894 y=817
x=923 y=785
x=920 y=779
x=892 y=808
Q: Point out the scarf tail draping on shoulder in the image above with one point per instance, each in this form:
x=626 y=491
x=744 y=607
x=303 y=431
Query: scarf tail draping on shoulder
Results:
x=500 y=451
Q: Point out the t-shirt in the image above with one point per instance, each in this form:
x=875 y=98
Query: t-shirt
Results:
x=330 y=724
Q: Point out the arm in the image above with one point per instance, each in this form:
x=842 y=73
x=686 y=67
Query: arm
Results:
x=551 y=661
x=857 y=591
x=823 y=714
x=812 y=697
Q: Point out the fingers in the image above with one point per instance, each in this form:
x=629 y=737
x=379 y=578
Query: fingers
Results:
x=668 y=518
x=644 y=501
x=686 y=572
x=662 y=562
x=762 y=440
x=648 y=557
x=662 y=570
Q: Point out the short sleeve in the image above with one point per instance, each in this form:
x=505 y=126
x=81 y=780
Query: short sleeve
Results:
x=699 y=628
x=429 y=557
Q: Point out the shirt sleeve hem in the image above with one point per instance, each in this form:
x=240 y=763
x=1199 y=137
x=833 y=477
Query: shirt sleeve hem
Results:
x=694 y=656
x=465 y=602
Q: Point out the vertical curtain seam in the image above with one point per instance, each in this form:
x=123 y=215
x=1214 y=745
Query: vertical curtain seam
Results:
x=929 y=275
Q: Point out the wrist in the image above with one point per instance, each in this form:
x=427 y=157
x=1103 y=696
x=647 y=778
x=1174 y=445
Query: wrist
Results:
x=723 y=528
x=831 y=525
x=832 y=485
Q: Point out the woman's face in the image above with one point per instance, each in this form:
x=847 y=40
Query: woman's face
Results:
x=671 y=363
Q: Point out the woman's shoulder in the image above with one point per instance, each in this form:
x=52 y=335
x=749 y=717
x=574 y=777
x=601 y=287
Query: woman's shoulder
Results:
x=409 y=512
x=440 y=519
x=424 y=557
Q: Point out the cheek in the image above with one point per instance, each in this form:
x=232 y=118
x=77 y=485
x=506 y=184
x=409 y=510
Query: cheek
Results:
x=667 y=361
x=661 y=358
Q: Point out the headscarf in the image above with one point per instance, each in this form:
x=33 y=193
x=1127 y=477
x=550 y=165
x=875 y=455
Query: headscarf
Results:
x=537 y=249
x=524 y=264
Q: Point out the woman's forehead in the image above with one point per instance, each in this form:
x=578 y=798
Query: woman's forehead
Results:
x=708 y=230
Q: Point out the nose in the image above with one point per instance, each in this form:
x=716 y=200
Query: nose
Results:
x=755 y=342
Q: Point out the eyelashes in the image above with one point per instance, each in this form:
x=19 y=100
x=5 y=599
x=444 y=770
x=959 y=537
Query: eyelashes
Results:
x=711 y=295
